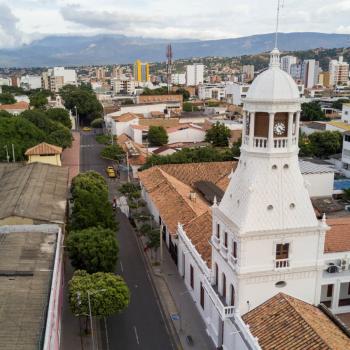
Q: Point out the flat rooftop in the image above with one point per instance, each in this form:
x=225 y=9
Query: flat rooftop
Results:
x=26 y=265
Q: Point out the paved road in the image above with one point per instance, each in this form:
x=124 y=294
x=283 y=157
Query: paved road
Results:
x=142 y=325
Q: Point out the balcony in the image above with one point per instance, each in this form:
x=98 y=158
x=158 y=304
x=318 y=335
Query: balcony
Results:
x=215 y=241
x=224 y=251
x=280 y=142
x=260 y=142
x=281 y=264
x=232 y=261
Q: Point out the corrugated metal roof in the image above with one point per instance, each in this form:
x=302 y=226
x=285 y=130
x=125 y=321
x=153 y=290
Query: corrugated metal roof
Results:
x=312 y=168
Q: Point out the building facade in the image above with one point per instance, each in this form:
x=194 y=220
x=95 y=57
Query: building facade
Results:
x=339 y=72
x=194 y=74
x=141 y=71
x=286 y=63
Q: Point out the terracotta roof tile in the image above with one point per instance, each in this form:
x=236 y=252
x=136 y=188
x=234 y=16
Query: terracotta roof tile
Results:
x=164 y=122
x=17 y=105
x=199 y=232
x=125 y=117
x=159 y=98
x=43 y=149
x=338 y=237
x=287 y=323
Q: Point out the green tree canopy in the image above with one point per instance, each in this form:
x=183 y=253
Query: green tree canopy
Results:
x=61 y=137
x=97 y=123
x=90 y=181
x=114 y=152
x=82 y=97
x=312 y=111
x=326 y=143
x=160 y=91
x=339 y=103
x=109 y=293
x=39 y=99
x=7 y=98
x=93 y=249
x=5 y=114
x=218 y=135
x=157 y=136
x=185 y=94
x=21 y=133
x=60 y=115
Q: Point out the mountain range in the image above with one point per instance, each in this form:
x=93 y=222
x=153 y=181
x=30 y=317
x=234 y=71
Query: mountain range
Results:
x=117 y=49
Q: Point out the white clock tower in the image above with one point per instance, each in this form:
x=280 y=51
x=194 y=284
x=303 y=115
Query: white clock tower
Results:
x=266 y=238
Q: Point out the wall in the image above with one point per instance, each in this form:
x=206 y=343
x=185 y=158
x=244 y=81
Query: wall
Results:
x=16 y=220
x=53 y=160
x=319 y=185
x=186 y=135
x=123 y=127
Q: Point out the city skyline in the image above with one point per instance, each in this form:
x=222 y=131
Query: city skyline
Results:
x=23 y=21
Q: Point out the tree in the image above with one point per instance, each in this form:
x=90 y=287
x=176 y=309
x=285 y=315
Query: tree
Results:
x=7 y=99
x=185 y=94
x=236 y=148
x=189 y=107
x=38 y=99
x=21 y=133
x=93 y=249
x=157 y=136
x=312 y=111
x=114 y=152
x=61 y=137
x=82 y=97
x=5 y=114
x=109 y=294
x=339 y=103
x=326 y=143
x=97 y=123
x=60 y=115
x=90 y=181
x=160 y=91
x=153 y=239
x=218 y=135
x=346 y=194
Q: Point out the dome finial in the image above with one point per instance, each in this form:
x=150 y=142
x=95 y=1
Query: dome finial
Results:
x=275 y=58
x=277 y=22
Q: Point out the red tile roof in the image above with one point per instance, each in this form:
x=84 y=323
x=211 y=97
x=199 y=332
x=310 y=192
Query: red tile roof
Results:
x=287 y=323
x=43 y=149
x=18 y=105
x=125 y=117
x=338 y=237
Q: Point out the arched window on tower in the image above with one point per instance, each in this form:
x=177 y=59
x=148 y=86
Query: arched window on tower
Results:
x=232 y=295
x=216 y=274
x=223 y=285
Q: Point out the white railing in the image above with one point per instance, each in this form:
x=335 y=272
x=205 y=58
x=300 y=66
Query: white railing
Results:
x=246 y=140
x=280 y=142
x=281 y=263
x=260 y=142
x=294 y=141
x=216 y=241
x=225 y=311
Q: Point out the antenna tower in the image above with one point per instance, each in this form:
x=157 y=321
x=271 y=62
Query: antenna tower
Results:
x=280 y=5
x=169 y=56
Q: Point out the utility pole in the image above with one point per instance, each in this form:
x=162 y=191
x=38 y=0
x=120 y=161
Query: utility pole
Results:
x=169 y=56
x=7 y=154
x=13 y=153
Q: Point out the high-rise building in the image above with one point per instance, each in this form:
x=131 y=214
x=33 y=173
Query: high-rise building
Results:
x=324 y=79
x=178 y=79
x=309 y=73
x=248 y=72
x=286 y=62
x=339 y=72
x=295 y=71
x=141 y=71
x=100 y=73
x=55 y=78
x=194 y=74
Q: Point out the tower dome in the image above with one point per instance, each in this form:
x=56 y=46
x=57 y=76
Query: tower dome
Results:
x=273 y=84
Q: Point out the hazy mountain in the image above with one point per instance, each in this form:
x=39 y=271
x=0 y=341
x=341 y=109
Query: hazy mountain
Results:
x=107 y=49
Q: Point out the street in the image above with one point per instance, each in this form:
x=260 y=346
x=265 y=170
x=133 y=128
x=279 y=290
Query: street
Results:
x=142 y=324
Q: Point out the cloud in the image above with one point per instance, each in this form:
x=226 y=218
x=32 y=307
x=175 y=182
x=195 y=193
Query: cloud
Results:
x=10 y=36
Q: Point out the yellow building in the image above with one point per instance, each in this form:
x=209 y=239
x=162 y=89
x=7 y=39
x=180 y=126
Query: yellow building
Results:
x=141 y=71
x=324 y=79
x=44 y=153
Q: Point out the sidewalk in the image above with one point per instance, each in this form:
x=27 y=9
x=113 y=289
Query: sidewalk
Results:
x=71 y=156
x=174 y=296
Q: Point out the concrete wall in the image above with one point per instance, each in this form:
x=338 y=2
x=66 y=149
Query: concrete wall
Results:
x=53 y=160
x=319 y=185
x=16 y=220
x=186 y=135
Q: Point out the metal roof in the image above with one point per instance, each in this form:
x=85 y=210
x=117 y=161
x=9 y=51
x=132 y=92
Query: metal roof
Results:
x=312 y=168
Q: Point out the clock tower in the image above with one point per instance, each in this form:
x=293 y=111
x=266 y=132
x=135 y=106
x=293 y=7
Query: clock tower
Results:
x=266 y=238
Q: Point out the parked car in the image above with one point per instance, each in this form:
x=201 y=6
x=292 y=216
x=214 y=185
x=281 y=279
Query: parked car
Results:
x=110 y=172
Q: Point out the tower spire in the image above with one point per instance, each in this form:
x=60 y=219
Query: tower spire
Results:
x=279 y=5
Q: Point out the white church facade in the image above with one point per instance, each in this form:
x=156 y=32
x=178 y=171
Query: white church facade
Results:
x=265 y=236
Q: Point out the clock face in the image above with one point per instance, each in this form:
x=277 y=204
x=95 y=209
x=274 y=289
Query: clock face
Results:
x=279 y=128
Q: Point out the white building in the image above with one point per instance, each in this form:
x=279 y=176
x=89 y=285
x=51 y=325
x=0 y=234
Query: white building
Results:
x=338 y=72
x=236 y=93
x=194 y=74
x=31 y=82
x=310 y=71
x=211 y=91
x=69 y=75
x=286 y=63
x=178 y=78
x=123 y=86
x=248 y=72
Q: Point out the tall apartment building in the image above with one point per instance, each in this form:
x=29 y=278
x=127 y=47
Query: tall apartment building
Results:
x=100 y=73
x=194 y=74
x=123 y=86
x=286 y=63
x=324 y=79
x=31 y=82
x=55 y=78
x=178 y=79
x=248 y=72
x=310 y=70
x=141 y=71
x=295 y=71
x=339 y=72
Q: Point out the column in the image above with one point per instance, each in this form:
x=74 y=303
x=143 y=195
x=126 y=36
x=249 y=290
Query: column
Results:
x=251 y=129
x=244 y=131
x=335 y=296
x=290 y=130
x=297 y=124
x=271 y=125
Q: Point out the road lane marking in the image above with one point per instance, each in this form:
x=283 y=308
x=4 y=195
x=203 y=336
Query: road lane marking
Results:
x=121 y=266
x=136 y=335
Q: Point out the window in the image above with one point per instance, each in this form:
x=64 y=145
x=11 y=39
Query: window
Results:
x=282 y=251
x=216 y=274
x=347 y=138
x=225 y=240
x=218 y=230
x=234 y=249
x=223 y=285
x=349 y=288
x=191 y=276
x=232 y=295
x=202 y=296
x=329 y=290
x=280 y=284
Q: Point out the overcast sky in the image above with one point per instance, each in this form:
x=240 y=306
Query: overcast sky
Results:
x=22 y=21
